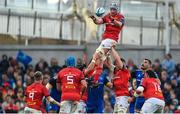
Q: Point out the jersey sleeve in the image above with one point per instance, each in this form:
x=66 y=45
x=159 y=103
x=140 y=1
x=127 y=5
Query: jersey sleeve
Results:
x=122 y=20
x=45 y=92
x=105 y=18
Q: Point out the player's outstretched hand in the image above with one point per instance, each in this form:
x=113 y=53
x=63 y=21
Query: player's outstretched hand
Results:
x=92 y=16
x=89 y=13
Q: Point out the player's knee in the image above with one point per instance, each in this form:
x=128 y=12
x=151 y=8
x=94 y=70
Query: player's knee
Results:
x=63 y=113
x=144 y=111
x=120 y=110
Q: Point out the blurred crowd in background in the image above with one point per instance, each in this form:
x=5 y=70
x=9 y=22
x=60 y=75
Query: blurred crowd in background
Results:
x=14 y=77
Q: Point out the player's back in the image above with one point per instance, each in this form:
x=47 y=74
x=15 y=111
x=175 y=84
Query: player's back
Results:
x=70 y=80
x=121 y=81
x=34 y=95
x=152 y=88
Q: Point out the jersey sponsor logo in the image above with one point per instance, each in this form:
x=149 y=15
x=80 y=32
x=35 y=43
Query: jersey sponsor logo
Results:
x=70 y=87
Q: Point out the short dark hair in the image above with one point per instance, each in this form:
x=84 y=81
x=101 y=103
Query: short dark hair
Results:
x=151 y=74
x=38 y=75
x=148 y=61
x=123 y=60
x=170 y=56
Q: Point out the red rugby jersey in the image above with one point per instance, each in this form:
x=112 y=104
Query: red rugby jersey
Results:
x=112 y=31
x=70 y=81
x=121 y=81
x=34 y=95
x=152 y=88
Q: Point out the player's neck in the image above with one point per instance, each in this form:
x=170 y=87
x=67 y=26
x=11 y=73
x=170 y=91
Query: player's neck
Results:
x=37 y=81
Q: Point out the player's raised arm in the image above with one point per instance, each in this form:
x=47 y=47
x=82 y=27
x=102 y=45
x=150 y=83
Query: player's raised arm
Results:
x=96 y=20
x=92 y=63
x=119 y=63
x=84 y=86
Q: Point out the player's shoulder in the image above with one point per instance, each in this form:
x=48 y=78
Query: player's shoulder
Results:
x=147 y=79
x=107 y=15
x=126 y=70
x=39 y=85
x=121 y=15
x=77 y=70
x=74 y=69
x=63 y=70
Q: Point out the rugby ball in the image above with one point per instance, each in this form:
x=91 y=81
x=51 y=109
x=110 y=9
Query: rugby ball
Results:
x=100 y=11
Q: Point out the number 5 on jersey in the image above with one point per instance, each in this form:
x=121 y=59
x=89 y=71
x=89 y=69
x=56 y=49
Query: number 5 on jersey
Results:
x=69 y=79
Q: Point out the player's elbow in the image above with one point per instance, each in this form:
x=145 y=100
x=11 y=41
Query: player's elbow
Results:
x=50 y=99
x=84 y=83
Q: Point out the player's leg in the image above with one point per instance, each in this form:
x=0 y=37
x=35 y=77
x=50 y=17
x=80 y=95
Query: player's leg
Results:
x=53 y=108
x=139 y=103
x=147 y=108
x=131 y=107
x=81 y=107
x=160 y=105
x=65 y=107
x=160 y=109
x=28 y=110
x=90 y=107
x=99 y=107
x=107 y=43
x=151 y=105
x=121 y=105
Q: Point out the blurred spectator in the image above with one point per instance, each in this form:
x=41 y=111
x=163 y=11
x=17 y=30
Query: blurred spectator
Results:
x=163 y=78
x=18 y=89
x=178 y=68
x=168 y=64
x=41 y=65
x=4 y=64
x=157 y=67
x=131 y=66
x=12 y=61
x=80 y=65
x=54 y=68
x=46 y=79
x=9 y=105
x=108 y=108
x=10 y=74
x=166 y=92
